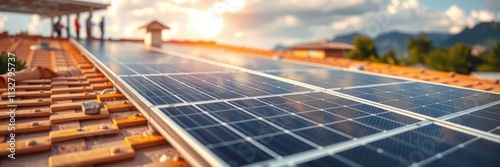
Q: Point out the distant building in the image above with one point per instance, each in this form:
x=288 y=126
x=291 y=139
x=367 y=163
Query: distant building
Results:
x=487 y=75
x=153 y=33
x=477 y=50
x=320 y=49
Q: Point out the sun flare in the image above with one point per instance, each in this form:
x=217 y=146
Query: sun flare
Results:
x=205 y=24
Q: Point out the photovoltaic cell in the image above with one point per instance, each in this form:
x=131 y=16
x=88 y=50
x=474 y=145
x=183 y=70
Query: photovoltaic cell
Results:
x=426 y=99
x=324 y=161
x=236 y=59
x=333 y=78
x=478 y=153
x=125 y=52
x=485 y=119
x=303 y=125
x=422 y=145
x=151 y=92
x=202 y=87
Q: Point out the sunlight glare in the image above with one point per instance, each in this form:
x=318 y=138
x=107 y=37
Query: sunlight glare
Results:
x=206 y=24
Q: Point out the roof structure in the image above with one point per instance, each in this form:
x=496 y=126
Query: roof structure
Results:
x=49 y=115
x=154 y=25
x=210 y=109
x=323 y=45
x=49 y=8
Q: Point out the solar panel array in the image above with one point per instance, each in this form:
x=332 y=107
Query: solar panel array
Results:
x=242 y=110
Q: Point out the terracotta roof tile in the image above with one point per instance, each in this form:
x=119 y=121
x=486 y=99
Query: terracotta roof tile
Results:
x=409 y=72
x=51 y=127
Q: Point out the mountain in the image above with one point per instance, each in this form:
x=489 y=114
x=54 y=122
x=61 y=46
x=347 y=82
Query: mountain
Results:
x=437 y=38
x=279 y=47
x=347 y=38
x=394 y=40
x=486 y=33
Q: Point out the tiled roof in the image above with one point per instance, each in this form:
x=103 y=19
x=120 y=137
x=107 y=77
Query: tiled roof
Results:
x=52 y=129
x=323 y=44
x=449 y=78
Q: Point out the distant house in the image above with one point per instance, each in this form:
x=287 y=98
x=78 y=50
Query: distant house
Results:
x=477 y=50
x=320 y=49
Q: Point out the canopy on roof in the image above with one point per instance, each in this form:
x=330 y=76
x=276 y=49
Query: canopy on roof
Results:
x=49 y=8
x=154 y=25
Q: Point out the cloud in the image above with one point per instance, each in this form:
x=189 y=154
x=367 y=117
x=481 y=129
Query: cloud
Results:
x=348 y=22
x=34 y=25
x=492 y=5
x=287 y=21
x=3 y=19
x=263 y=23
x=455 y=13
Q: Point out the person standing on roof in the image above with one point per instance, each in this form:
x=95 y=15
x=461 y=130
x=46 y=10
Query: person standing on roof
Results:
x=77 y=26
x=88 y=25
x=58 y=27
x=101 y=25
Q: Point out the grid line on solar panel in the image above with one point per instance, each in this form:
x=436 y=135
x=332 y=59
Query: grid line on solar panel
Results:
x=266 y=121
x=485 y=119
x=429 y=100
x=151 y=92
x=206 y=87
x=240 y=134
x=334 y=78
x=434 y=145
x=141 y=69
x=402 y=149
x=241 y=116
x=336 y=148
x=120 y=69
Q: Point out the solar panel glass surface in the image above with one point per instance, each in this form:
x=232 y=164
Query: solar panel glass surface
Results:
x=247 y=110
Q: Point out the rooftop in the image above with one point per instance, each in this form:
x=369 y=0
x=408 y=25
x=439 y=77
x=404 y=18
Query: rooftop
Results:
x=323 y=44
x=51 y=126
x=53 y=129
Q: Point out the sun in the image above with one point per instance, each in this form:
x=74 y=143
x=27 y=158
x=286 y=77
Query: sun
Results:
x=207 y=25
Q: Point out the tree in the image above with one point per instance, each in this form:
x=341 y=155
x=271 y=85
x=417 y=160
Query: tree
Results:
x=461 y=58
x=16 y=64
x=390 y=58
x=491 y=60
x=365 y=49
x=418 y=48
x=438 y=60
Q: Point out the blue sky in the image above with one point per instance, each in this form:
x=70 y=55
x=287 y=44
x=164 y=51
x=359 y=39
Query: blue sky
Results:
x=441 y=5
x=264 y=23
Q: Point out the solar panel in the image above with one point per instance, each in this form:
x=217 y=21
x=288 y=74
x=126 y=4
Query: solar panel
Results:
x=171 y=89
x=329 y=78
x=430 y=100
x=307 y=121
x=228 y=109
x=240 y=60
x=427 y=146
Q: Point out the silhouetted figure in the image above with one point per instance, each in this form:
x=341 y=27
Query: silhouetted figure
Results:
x=77 y=26
x=88 y=25
x=58 y=27
x=101 y=26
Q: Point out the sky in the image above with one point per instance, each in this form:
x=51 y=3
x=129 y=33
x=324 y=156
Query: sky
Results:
x=265 y=23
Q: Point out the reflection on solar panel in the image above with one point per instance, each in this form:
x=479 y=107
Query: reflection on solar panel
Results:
x=334 y=78
x=235 y=110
